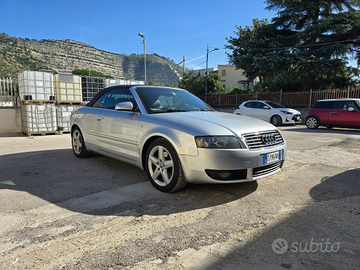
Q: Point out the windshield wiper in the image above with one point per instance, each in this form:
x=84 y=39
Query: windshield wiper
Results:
x=172 y=110
x=205 y=110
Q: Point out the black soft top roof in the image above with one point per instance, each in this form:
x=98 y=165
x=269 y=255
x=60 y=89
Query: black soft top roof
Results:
x=103 y=91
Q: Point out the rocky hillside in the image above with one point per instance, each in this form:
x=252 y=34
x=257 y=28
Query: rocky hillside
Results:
x=64 y=56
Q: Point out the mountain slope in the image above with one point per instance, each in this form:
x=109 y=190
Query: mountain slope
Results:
x=63 y=56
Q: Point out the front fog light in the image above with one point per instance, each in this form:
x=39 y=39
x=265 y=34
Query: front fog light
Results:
x=225 y=175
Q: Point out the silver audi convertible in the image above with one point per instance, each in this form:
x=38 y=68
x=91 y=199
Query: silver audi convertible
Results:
x=175 y=137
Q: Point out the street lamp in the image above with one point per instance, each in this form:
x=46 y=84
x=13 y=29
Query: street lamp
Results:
x=143 y=36
x=206 y=73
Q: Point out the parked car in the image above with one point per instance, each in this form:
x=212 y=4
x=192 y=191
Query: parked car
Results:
x=334 y=113
x=175 y=137
x=269 y=111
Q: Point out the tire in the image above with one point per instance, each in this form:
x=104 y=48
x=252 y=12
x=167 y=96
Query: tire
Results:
x=312 y=122
x=78 y=144
x=275 y=120
x=163 y=167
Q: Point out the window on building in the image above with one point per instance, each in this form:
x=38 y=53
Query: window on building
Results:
x=223 y=73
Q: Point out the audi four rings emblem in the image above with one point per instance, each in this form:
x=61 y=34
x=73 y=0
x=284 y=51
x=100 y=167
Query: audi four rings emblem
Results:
x=268 y=139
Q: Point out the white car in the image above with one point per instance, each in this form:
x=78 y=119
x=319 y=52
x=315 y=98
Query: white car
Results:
x=269 y=111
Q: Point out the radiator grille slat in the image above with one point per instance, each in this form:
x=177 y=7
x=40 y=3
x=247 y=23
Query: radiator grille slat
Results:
x=263 y=140
x=267 y=169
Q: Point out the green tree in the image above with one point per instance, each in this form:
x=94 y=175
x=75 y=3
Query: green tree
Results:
x=307 y=45
x=194 y=82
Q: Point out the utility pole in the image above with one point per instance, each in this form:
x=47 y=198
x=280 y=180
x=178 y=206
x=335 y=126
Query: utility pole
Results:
x=143 y=36
x=184 y=64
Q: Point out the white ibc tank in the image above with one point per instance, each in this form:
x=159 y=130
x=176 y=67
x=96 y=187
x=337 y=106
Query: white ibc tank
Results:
x=67 y=88
x=36 y=85
x=63 y=113
x=38 y=118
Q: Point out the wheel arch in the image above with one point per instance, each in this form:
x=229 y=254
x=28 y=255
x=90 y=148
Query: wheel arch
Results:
x=313 y=115
x=276 y=115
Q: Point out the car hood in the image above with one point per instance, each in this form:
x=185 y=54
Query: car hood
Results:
x=215 y=123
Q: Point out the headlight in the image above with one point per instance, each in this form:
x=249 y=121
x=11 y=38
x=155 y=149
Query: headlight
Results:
x=286 y=112
x=223 y=142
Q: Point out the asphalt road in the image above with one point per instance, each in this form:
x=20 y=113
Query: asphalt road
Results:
x=61 y=212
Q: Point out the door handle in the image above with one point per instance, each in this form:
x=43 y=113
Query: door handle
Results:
x=332 y=112
x=98 y=118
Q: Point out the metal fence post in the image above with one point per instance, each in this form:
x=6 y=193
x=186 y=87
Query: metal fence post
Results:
x=15 y=93
x=310 y=98
x=280 y=96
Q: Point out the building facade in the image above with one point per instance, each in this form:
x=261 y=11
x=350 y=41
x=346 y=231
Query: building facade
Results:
x=231 y=77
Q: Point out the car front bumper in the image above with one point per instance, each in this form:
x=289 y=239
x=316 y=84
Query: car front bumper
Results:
x=242 y=164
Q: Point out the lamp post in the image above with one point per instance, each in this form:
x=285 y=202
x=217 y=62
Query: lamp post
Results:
x=206 y=73
x=143 y=36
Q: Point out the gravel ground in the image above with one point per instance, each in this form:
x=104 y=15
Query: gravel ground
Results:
x=60 y=212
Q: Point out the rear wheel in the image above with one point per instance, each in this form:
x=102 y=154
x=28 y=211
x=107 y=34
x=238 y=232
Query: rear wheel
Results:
x=275 y=120
x=312 y=122
x=163 y=167
x=78 y=144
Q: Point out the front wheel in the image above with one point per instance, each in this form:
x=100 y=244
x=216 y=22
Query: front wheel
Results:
x=312 y=122
x=275 y=120
x=78 y=144
x=163 y=167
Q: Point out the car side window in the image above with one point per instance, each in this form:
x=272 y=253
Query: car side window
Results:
x=249 y=104
x=259 y=105
x=345 y=105
x=326 y=105
x=110 y=99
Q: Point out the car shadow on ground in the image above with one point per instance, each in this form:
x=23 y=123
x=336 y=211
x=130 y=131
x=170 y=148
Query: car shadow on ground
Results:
x=99 y=186
x=322 y=235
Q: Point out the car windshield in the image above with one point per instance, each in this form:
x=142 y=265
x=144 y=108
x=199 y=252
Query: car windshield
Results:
x=166 y=100
x=358 y=102
x=274 y=104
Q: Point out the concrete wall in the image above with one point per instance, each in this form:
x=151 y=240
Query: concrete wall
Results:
x=10 y=120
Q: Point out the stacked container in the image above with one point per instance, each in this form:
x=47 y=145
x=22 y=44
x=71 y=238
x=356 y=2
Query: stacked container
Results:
x=67 y=88
x=38 y=112
x=63 y=113
x=36 y=85
x=91 y=86
x=38 y=118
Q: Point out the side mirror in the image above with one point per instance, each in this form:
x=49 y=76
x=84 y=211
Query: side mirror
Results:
x=267 y=107
x=124 y=106
x=351 y=109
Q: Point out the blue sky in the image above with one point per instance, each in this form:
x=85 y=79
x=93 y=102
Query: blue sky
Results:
x=171 y=28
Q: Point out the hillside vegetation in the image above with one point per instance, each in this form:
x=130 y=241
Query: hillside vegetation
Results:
x=64 y=56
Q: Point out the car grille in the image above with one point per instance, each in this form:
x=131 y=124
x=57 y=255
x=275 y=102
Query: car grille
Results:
x=260 y=140
x=297 y=118
x=267 y=169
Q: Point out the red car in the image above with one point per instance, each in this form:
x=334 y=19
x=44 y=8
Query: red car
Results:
x=343 y=112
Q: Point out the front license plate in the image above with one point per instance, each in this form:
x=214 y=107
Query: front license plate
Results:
x=271 y=157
